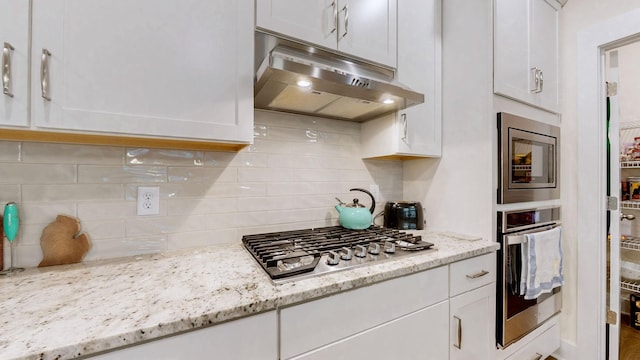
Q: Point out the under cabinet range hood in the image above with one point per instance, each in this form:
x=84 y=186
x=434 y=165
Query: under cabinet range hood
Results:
x=298 y=79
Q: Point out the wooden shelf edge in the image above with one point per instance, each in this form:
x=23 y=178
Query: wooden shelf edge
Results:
x=114 y=140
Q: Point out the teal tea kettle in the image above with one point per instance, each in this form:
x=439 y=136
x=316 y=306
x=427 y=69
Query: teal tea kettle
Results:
x=356 y=216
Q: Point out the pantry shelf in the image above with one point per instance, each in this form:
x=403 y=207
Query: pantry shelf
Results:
x=630 y=205
x=630 y=164
x=630 y=243
x=630 y=285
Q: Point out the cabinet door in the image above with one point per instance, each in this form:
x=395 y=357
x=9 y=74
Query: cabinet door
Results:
x=416 y=131
x=311 y=21
x=367 y=29
x=473 y=324
x=526 y=40
x=417 y=336
x=215 y=342
x=419 y=35
x=14 y=40
x=169 y=69
x=544 y=52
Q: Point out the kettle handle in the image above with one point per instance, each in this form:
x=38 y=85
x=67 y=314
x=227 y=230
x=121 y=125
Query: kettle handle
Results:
x=373 y=200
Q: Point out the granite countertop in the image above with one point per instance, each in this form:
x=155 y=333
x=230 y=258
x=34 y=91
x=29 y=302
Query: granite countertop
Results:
x=70 y=311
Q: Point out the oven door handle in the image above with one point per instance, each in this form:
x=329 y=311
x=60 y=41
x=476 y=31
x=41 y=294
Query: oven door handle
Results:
x=520 y=238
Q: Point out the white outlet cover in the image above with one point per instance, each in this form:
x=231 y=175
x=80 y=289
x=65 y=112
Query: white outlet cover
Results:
x=148 y=200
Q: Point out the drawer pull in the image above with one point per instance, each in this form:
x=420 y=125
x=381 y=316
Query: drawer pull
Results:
x=477 y=275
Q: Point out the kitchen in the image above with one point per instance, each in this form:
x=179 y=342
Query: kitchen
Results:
x=213 y=197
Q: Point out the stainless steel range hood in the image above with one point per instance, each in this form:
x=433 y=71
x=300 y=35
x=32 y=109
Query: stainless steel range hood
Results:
x=299 y=79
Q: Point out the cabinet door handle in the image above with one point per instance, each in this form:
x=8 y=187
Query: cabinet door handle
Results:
x=478 y=274
x=534 y=76
x=458 y=343
x=334 y=5
x=44 y=74
x=346 y=20
x=7 y=49
x=538 y=356
x=540 y=80
x=405 y=129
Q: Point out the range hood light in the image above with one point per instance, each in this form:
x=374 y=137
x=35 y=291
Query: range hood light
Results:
x=388 y=101
x=304 y=83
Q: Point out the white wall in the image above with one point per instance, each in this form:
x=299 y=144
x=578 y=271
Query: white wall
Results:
x=575 y=16
x=287 y=179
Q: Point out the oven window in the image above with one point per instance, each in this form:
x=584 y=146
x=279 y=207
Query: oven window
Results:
x=531 y=162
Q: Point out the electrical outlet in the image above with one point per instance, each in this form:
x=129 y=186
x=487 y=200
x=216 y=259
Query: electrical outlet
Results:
x=148 y=200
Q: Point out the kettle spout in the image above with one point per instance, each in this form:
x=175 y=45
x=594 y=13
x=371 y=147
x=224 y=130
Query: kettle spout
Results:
x=339 y=208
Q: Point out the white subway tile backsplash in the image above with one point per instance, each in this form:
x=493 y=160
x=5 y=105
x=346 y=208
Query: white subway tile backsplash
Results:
x=104 y=229
x=121 y=174
x=288 y=179
x=44 y=213
x=9 y=151
x=16 y=173
x=106 y=210
x=202 y=206
x=71 y=154
x=143 y=156
x=202 y=174
x=71 y=192
x=160 y=225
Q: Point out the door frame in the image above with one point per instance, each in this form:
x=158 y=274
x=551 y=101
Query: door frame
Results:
x=593 y=42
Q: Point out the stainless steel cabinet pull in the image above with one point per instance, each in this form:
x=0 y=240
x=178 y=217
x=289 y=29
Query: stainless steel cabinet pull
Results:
x=404 y=128
x=44 y=74
x=538 y=356
x=346 y=20
x=538 y=80
x=335 y=16
x=477 y=275
x=458 y=343
x=6 y=69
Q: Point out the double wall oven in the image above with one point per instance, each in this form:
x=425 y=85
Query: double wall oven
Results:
x=528 y=173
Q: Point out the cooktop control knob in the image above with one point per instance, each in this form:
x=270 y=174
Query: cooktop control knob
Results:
x=333 y=258
x=374 y=248
x=346 y=253
x=361 y=251
x=389 y=247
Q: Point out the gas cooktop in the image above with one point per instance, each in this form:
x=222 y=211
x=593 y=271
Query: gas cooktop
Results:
x=291 y=255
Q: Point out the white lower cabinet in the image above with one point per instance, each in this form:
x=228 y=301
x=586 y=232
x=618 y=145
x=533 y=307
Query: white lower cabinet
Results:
x=472 y=308
x=250 y=338
x=472 y=324
x=369 y=322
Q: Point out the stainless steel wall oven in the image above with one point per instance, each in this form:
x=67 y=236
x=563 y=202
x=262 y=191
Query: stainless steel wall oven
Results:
x=529 y=154
x=515 y=315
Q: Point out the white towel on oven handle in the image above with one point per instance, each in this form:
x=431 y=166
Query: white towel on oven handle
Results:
x=541 y=263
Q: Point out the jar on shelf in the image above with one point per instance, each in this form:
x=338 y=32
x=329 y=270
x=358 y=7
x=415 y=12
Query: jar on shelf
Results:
x=634 y=188
x=625 y=193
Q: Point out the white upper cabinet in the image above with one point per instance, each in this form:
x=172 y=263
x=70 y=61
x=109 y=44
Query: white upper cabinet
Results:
x=526 y=52
x=170 y=69
x=362 y=28
x=417 y=130
x=14 y=40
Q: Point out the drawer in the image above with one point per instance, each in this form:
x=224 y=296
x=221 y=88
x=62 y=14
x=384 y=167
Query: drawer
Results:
x=472 y=273
x=540 y=347
x=320 y=322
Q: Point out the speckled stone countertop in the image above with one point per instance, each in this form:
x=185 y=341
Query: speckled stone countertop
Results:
x=75 y=310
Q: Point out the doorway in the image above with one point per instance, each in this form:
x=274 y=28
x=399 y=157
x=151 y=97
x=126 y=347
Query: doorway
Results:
x=593 y=43
x=623 y=255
